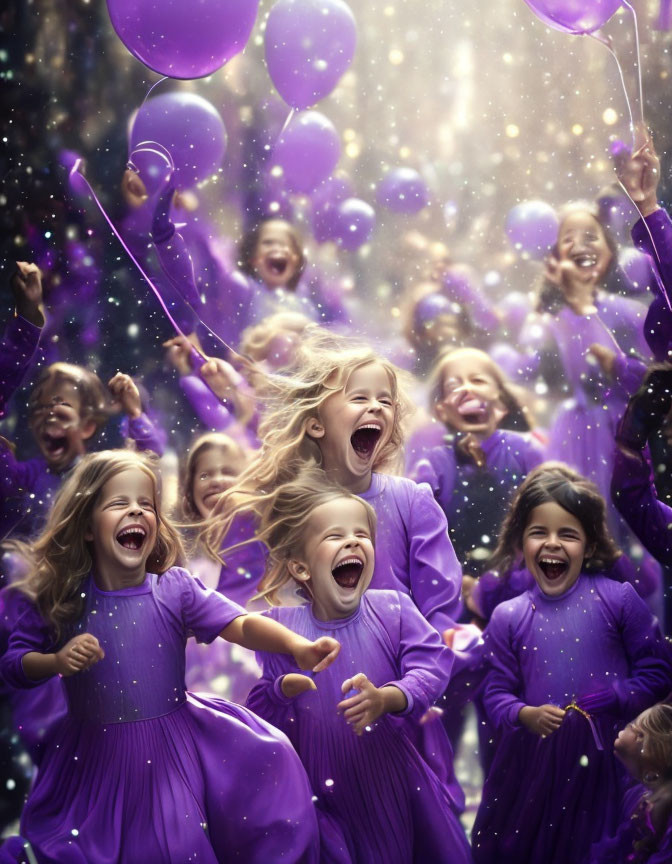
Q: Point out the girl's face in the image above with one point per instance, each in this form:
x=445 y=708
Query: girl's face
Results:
x=471 y=398
x=630 y=748
x=57 y=424
x=554 y=547
x=581 y=241
x=215 y=471
x=338 y=558
x=276 y=260
x=354 y=425
x=124 y=524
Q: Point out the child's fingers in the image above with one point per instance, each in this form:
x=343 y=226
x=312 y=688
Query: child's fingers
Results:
x=353 y=701
x=328 y=660
x=356 y=711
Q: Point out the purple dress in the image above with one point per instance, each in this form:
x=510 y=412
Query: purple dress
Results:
x=142 y=771
x=378 y=800
x=474 y=498
x=653 y=236
x=635 y=841
x=634 y=494
x=17 y=349
x=413 y=551
x=548 y=799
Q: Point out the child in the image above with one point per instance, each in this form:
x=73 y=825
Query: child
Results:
x=645 y=834
x=342 y=409
x=570 y=660
x=475 y=472
x=377 y=798
x=67 y=407
x=140 y=770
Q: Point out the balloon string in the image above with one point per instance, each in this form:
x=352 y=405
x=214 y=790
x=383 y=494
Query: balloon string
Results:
x=155 y=84
x=603 y=40
x=638 y=60
x=292 y=112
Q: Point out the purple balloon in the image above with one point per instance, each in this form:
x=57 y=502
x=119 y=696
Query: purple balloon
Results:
x=189 y=128
x=402 y=190
x=307 y=152
x=574 y=16
x=639 y=269
x=153 y=165
x=325 y=201
x=515 y=308
x=309 y=45
x=182 y=39
x=430 y=307
x=532 y=227
x=353 y=223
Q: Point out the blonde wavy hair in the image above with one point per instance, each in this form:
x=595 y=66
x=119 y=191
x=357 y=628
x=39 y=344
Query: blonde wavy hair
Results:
x=209 y=441
x=323 y=366
x=60 y=559
x=283 y=519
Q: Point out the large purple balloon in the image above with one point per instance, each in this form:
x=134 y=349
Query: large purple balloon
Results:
x=189 y=128
x=325 y=201
x=574 y=16
x=402 y=190
x=532 y=227
x=309 y=45
x=307 y=151
x=353 y=223
x=183 y=39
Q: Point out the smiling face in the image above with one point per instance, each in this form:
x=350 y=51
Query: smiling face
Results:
x=57 y=424
x=215 y=471
x=581 y=240
x=554 y=547
x=123 y=527
x=276 y=260
x=354 y=425
x=470 y=394
x=337 y=562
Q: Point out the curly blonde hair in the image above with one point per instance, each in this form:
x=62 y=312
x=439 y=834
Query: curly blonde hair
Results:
x=323 y=366
x=60 y=559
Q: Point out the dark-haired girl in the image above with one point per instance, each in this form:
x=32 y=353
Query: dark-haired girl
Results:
x=570 y=661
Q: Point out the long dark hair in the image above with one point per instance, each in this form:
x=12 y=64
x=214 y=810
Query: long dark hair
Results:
x=558 y=483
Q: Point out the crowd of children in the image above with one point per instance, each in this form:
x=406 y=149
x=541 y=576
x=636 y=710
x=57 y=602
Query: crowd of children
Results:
x=387 y=561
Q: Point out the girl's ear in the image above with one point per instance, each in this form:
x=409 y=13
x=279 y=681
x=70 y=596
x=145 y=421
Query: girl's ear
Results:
x=314 y=429
x=298 y=570
x=88 y=429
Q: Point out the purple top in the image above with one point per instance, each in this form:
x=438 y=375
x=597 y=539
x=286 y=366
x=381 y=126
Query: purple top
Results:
x=143 y=631
x=474 y=498
x=413 y=551
x=634 y=494
x=244 y=567
x=17 y=349
x=597 y=636
x=658 y=245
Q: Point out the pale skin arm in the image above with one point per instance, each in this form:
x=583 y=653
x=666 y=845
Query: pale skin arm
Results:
x=27 y=287
x=124 y=391
x=370 y=703
x=542 y=720
x=640 y=175
x=259 y=633
x=75 y=656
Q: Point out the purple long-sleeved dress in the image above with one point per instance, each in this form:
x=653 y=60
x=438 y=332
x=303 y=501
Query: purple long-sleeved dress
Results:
x=378 y=800
x=142 y=771
x=474 y=498
x=17 y=349
x=653 y=235
x=413 y=550
x=548 y=799
x=636 y=841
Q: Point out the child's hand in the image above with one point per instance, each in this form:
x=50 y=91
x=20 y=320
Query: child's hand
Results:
x=366 y=707
x=294 y=685
x=605 y=358
x=26 y=285
x=220 y=377
x=179 y=354
x=78 y=654
x=543 y=720
x=640 y=174
x=316 y=655
x=125 y=392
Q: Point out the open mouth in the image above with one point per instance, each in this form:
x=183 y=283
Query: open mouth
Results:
x=277 y=265
x=585 y=260
x=55 y=445
x=553 y=568
x=365 y=438
x=132 y=538
x=348 y=573
x=473 y=410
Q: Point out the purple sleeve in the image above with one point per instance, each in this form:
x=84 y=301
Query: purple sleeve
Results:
x=649 y=656
x=634 y=494
x=172 y=251
x=424 y=471
x=492 y=589
x=629 y=372
x=532 y=453
x=146 y=434
x=16 y=477
x=653 y=236
x=266 y=697
x=17 y=348
x=245 y=565
x=425 y=663
x=436 y=575
x=29 y=633
x=207 y=407
x=504 y=685
x=205 y=613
